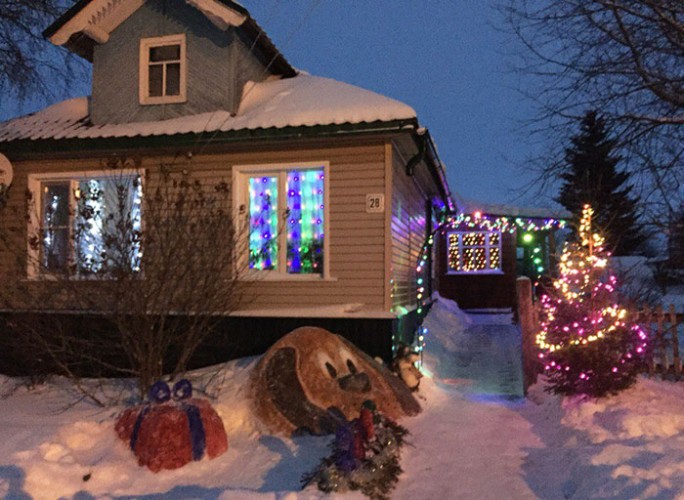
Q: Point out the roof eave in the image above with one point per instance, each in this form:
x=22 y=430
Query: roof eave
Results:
x=28 y=147
x=436 y=168
x=81 y=4
x=273 y=58
x=65 y=18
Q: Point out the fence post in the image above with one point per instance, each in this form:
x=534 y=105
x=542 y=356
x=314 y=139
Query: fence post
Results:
x=648 y=320
x=660 y=340
x=675 y=342
x=528 y=328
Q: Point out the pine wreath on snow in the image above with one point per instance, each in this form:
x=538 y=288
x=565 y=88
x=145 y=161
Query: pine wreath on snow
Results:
x=364 y=456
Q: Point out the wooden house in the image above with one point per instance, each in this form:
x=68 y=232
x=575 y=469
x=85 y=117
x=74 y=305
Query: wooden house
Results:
x=482 y=249
x=199 y=85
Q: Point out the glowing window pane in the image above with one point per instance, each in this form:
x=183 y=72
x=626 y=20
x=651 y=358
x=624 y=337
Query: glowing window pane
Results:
x=494 y=258
x=305 y=221
x=107 y=224
x=473 y=251
x=454 y=253
x=55 y=226
x=91 y=226
x=472 y=239
x=263 y=222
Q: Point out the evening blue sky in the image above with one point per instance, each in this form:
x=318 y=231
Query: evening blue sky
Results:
x=444 y=58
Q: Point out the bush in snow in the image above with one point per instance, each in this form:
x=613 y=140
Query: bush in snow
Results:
x=587 y=344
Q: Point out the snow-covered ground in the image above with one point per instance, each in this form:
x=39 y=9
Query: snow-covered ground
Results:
x=465 y=444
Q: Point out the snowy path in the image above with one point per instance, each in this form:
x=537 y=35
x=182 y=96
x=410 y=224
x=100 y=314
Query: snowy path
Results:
x=479 y=354
x=466 y=449
x=488 y=360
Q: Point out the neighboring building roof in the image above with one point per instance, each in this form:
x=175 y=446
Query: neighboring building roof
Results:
x=89 y=22
x=302 y=101
x=468 y=206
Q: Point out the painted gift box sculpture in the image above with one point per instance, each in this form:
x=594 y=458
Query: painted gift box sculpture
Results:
x=173 y=429
x=311 y=375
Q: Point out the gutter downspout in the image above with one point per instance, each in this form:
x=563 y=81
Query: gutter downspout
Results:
x=421 y=139
x=428 y=152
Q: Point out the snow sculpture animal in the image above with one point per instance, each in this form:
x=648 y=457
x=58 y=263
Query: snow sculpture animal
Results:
x=404 y=365
x=311 y=380
x=166 y=434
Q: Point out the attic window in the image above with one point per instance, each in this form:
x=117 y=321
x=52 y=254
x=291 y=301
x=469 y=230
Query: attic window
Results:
x=162 y=70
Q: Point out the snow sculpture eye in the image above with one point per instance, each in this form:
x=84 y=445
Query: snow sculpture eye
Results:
x=326 y=365
x=349 y=360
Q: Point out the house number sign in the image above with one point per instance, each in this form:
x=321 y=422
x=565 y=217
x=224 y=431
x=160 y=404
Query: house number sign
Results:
x=375 y=203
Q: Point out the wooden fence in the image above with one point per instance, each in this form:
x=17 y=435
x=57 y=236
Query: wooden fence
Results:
x=665 y=328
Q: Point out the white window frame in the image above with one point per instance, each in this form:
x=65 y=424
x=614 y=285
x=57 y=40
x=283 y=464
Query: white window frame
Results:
x=35 y=183
x=241 y=175
x=487 y=246
x=145 y=45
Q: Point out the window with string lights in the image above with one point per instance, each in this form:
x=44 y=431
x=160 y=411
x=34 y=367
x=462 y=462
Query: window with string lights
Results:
x=285 y=208
x=471 y=252
x=86 y=225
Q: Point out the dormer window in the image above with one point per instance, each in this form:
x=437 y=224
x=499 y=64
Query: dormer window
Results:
x=162 y=70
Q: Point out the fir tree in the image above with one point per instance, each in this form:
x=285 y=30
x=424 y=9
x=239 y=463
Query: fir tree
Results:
x=591 y=177
x=587 y=344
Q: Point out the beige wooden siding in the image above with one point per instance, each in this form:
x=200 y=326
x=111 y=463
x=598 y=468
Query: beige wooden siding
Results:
x=408 y=234
x=357 y=239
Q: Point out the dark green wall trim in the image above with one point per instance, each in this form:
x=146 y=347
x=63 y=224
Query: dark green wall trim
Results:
x=26 y=147
x=233 y=337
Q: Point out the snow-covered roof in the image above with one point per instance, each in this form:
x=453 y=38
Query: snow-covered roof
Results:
x=469 y=206
x=301 y=101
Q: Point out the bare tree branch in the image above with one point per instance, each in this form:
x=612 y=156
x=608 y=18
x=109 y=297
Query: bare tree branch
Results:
x=151 y=283
x=624 y=58
x=30 y=67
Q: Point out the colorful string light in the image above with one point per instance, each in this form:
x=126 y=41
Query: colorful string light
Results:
x=503 y=224
x=583 y=309
x=494 y=225
x=304 y=221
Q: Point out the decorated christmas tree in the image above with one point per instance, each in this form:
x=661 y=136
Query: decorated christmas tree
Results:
x=588 y=346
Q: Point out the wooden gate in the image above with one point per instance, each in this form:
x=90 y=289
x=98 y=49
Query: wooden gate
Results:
x=664 y=327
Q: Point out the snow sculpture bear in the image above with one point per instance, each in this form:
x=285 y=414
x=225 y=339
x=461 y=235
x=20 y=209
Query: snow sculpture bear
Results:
x=311 y=378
